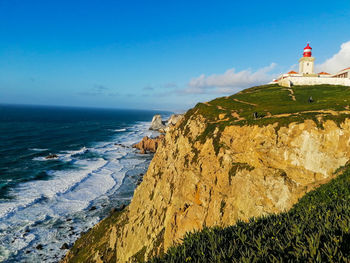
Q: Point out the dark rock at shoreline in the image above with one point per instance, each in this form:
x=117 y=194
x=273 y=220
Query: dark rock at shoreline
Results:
x=51 y=156
x=65 y=246
x=92 y=208
x=121 y=145
x=39 y=247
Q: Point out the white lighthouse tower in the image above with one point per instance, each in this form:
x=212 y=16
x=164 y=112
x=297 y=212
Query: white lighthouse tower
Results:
x=306 y=63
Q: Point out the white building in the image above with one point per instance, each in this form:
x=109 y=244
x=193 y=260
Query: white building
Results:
x=307 y=76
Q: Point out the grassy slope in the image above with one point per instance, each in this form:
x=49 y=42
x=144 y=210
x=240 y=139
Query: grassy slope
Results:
x=316 y=229
x=271 y=102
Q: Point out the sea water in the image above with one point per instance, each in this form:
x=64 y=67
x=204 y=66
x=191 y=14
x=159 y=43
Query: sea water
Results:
x=45 y=203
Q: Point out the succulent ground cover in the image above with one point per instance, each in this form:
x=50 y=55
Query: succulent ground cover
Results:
x=316 y=229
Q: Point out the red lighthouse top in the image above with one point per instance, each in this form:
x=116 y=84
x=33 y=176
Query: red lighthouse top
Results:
x=307 y=51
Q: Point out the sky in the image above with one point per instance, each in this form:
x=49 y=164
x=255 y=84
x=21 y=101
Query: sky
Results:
x=165 y=55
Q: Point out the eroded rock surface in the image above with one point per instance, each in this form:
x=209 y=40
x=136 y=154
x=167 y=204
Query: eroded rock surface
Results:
x=148 y=145
x=256 y=171
x=157 y=123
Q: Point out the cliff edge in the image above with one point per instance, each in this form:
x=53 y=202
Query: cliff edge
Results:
x=251 y=154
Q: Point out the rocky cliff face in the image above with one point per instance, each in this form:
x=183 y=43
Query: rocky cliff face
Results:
x=237 y=173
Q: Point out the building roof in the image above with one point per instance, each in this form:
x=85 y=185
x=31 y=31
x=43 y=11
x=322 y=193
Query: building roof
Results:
x=323 y=73
x=345 y=69
x=292 y=72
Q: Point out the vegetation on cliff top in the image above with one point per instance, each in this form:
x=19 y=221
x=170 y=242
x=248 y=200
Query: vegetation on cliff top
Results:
x=316 y=229
x=272 y=104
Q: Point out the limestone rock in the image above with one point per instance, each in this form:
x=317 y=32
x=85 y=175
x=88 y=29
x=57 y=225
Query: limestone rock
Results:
x=174 y=118
x=148 y=144
x=189 y=185
x=157 y=123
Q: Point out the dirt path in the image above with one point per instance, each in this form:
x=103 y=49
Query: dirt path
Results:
x=332 y=112
x=292 y=94
x=244 y=102
x=237 y=116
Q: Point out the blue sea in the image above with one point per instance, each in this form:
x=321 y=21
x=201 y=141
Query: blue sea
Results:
x=45 y=203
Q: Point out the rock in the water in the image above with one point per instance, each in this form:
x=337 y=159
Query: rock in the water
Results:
x=65 y=246
x=39 y=247
x=157 y=123
x=148 y=144
x=92 y=208
x=51 y=156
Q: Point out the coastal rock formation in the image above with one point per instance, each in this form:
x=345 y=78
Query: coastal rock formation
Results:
x=157 y=123
x=189 y=186
x=148 y=144
x=216 y=166
x=259 y=172
x=51 y=156
x=174 y=118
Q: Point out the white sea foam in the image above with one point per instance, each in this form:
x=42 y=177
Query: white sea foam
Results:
x=119 y=130
x=65 y=156
x=37 y=149
x=41 y=204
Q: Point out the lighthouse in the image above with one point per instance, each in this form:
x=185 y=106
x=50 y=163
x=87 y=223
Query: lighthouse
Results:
x=306 y=63
x=307 y=76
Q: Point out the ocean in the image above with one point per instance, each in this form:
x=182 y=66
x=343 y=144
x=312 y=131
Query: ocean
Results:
x=45 y=203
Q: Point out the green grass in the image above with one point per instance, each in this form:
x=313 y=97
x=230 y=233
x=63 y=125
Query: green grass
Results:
x=269 y=101
x=316 y=229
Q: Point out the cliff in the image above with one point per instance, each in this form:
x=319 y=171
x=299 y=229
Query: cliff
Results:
x=251 y=154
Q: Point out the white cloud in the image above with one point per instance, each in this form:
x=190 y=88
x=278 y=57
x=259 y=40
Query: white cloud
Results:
x=338 y=62
x=230 y=81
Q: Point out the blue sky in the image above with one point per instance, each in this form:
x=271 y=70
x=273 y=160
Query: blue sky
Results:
x=159 y=54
